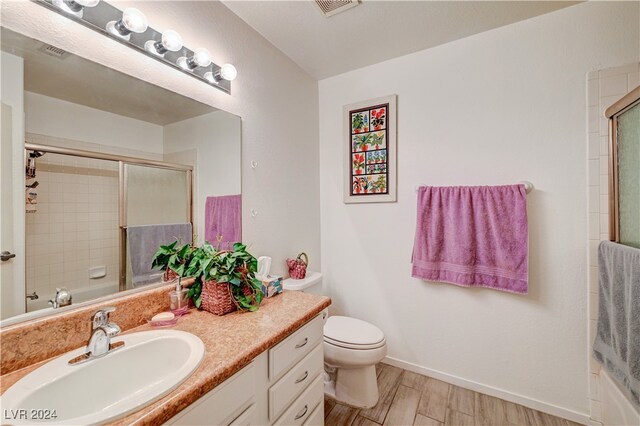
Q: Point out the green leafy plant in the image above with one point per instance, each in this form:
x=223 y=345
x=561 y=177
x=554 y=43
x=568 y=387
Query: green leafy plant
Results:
x=357 y=121
x=236 y=267
x=175 y=257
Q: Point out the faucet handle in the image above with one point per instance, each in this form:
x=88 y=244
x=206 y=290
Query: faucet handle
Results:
x=101 y=318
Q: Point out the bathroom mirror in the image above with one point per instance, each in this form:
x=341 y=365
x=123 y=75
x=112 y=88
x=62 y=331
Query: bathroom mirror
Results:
x=624 y=169
x=96 y=164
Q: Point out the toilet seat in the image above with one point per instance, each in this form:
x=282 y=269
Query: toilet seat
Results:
x=346 y=345
x=352 y=333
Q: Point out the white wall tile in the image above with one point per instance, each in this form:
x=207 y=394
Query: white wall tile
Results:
x=594 y=226
x=615 y=85
x=604 y=204
x=603 y=182
x=604 y=145
x=594 y=124
x=594 y=197
x=593 y=151
x=594 y=172
x=633 y=81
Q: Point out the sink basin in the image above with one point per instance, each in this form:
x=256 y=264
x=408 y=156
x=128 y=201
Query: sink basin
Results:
x=149 y=366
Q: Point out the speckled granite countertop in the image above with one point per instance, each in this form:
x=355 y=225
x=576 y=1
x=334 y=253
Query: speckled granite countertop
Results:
x=231 y=342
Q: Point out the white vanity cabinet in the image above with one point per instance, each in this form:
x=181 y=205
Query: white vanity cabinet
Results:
x=281 y=386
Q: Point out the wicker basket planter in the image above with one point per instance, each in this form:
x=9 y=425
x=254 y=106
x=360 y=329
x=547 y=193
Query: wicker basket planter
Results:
x=169 y=275
x=217 y=298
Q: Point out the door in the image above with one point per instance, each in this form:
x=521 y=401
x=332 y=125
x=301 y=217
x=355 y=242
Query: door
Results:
x=12 y=292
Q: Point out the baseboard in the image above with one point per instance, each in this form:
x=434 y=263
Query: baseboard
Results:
x=535 y=404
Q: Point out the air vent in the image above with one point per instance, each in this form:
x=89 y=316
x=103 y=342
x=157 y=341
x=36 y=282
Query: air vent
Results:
x=53 y=51
x=331 y=7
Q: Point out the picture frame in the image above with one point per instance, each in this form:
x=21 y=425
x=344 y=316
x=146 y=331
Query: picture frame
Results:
x=370 y=151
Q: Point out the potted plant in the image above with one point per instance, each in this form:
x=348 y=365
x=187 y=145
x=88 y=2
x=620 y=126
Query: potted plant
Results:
x=174 y=260
x=225 y=279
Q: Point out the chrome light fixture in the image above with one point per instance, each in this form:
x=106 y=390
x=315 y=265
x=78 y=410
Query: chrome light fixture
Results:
x=201 y=58
x=170 y=42
x=130 y=27
x=226 y=72
x=75 y=7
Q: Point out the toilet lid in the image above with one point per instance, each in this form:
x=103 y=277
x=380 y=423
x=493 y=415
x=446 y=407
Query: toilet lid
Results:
x=352 y=332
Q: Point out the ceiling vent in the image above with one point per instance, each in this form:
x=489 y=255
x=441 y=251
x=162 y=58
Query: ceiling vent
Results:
x=331 y=7
x=53 y=51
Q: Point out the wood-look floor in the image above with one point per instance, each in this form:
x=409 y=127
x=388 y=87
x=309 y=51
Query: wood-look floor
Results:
x=408 y=398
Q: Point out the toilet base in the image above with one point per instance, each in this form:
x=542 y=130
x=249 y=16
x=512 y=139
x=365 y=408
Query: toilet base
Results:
x=357 y=387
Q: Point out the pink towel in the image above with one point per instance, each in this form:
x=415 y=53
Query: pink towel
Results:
x=473 y=236
x=223 y=217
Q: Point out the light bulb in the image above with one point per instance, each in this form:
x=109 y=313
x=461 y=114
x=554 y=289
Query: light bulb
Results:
x=74 y=7
x=200 y=58
x=88 y=3
x=228 y=72
x=133 y=21
x=171 y=41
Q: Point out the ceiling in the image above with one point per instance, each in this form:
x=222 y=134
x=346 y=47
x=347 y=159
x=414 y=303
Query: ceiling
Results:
x=78 y=80
x=375 y=31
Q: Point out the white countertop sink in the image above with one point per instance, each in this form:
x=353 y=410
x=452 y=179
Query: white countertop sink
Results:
x=149 y=366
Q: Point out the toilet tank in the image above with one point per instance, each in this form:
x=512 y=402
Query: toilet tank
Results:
x=311 y=283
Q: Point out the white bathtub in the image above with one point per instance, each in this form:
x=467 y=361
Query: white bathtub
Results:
x=616 y=408
x=78 y=295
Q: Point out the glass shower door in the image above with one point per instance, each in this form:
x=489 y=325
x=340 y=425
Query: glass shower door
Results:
x=628 y=140
x=157 y=207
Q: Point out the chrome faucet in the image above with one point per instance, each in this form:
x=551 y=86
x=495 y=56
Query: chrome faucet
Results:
x=101 y=334
x=62 y=298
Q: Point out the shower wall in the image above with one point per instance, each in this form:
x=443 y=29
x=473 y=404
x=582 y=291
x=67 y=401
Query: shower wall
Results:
x=604 y=87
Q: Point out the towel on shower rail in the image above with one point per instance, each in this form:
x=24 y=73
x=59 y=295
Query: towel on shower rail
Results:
x=473 y=236
x=143 y=243
x=223 y=221
x=617 y=343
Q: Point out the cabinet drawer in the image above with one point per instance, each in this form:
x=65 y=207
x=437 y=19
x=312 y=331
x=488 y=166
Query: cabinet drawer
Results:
x=247 y=418
x=295 y=381
x=294 y=348
x=317 y=416
x=302 y=407
x=222 y=404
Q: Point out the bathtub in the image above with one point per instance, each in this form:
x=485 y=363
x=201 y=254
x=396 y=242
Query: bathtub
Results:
x=616 y=408
x=79 y=295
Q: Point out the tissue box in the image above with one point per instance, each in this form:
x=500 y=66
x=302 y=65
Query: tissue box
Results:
x=271 y=285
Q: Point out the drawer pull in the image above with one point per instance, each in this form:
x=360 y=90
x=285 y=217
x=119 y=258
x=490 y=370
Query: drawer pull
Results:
x=304 y=411
x=299 y=345
x=303 y=378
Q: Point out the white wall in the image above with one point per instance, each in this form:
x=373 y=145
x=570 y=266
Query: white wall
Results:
x=12 y=94
x=278 y=103
x=61 y=119
x=498 y=107
x=216 y=137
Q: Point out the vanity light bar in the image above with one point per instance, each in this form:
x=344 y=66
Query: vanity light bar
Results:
x=130 y=28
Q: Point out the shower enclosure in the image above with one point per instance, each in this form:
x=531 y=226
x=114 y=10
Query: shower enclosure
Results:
x=79 y=205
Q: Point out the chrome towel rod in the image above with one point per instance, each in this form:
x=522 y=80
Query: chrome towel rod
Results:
x=528 y=186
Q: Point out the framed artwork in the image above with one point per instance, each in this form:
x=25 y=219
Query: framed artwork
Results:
x=370 y=151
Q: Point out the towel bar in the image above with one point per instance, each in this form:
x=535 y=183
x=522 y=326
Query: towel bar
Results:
x=528 y=186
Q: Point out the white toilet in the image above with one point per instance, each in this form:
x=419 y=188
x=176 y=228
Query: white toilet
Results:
x=352 y=348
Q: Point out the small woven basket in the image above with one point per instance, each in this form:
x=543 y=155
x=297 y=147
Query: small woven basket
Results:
x=217 y=298
x=298 y=266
